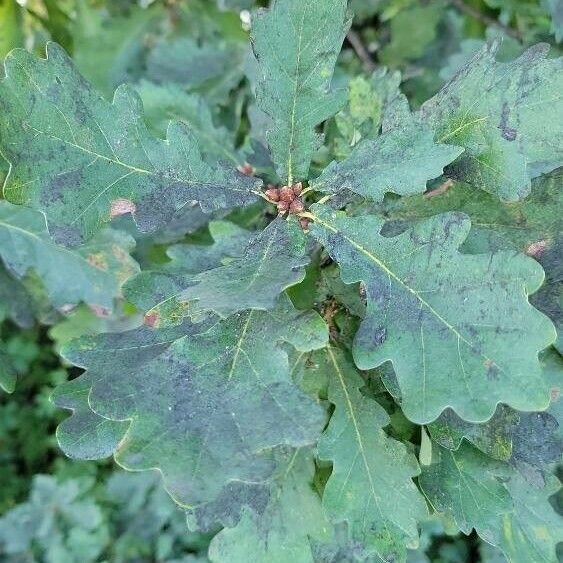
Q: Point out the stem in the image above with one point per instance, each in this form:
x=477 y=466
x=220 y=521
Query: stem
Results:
x=363 y=54
x=485 y=19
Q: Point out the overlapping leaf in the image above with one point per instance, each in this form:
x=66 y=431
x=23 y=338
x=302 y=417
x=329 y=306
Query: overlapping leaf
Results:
x=401 y=161
x=458 y=328
x=160 y=293
x=371 y=487
x=296 y=43
x=92 y=273
x=8 y=374
x=508 y=116
x=82 y=160
x=496 y=500
x=225 y=402
x=273 y=260
x=283 y=532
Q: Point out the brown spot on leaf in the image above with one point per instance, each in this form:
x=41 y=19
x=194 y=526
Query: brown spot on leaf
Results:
x=554 y=394
x=99 y=311
x=247 y=169
x=441 y=189
x=536 y=249
x=151 y=319
x=121 y=207
x=97 y=261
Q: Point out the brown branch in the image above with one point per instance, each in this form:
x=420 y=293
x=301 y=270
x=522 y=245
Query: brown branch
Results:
x=363 y=54
x=485 y=19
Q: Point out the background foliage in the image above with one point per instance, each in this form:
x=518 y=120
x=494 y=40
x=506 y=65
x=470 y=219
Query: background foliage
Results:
x=189 y=61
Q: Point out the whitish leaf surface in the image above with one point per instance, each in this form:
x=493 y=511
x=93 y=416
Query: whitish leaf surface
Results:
x=401 y=161
x=371 y=487
x=284 y=531
x=159 y=293
x=225 y=402
x=296 y=43
x=458 y=328
x=85 y=435
x=508 y=116
x=92 y=273
x=273 y=260
x=82 y=160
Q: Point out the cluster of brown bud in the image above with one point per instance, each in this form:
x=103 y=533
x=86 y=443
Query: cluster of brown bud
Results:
x=287 y=200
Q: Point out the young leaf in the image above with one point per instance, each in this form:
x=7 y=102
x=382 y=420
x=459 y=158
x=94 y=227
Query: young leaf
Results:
x=371 y=485
x=82 y=160
x=507 y=116
x=284 y=531
x=401 y=161
x=92 y=273
x=273 y=260
x=458 y=328
x=296 y=43
x=225 y=402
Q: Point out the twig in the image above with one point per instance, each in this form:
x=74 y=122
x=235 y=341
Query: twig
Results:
x=483 y=18
x=363 y=54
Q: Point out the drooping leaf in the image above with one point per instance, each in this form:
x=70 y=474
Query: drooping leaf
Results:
x=160 y=293
x=458 y=328
x=401 y=161
x=92 y=273
x=273 y=260
x=225 y=402
x=291 y=520
x=371 y=487
x=296 y=43
x=82 y=160
x=507 y=116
